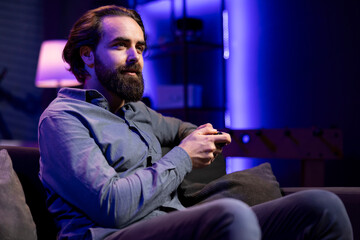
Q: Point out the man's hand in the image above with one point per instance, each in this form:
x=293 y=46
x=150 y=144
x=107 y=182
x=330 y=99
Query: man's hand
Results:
x=204 y=144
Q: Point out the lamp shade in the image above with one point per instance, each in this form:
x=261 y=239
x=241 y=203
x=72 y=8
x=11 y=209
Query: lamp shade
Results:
x=51 y=69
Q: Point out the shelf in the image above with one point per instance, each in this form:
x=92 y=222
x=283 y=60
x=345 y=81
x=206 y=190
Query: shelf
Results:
x=178 y=48
x=139 y=2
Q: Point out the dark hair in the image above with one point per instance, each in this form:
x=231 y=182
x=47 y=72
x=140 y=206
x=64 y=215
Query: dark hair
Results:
x=87 y=31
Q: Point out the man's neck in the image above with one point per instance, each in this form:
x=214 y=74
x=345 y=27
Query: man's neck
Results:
x=115 y=103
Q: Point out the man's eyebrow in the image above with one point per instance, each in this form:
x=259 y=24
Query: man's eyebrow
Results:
x=122 y=39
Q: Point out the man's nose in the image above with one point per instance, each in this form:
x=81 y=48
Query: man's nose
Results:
x=133 y=55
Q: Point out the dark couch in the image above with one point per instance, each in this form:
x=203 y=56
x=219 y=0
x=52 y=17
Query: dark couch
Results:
x=26 y=164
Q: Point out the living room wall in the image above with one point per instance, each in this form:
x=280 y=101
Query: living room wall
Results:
x=21 y=33
x=307 y=70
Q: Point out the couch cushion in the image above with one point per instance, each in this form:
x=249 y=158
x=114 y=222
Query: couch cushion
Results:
x=252 y=186
x=16 y=221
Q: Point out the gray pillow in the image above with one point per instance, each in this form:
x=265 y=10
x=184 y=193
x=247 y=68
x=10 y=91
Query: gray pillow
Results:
x=16 y=221
x=252 y=186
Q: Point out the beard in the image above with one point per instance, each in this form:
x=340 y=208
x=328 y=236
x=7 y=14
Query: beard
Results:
x=127 y=87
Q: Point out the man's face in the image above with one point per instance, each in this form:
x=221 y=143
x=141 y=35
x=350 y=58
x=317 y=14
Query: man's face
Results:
x=118 y=58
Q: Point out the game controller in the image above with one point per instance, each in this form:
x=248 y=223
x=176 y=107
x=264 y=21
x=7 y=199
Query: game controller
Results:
x=219 y=145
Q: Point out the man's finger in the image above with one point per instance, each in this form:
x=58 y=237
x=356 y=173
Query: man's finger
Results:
x=206 y=130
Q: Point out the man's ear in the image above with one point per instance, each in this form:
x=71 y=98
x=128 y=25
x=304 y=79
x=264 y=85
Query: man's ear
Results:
x=87 y=56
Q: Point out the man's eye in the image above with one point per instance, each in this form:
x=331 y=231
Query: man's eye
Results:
x=140 y=48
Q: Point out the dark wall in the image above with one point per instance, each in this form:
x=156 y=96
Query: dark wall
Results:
x=61 y=15
x=309 y=70
x=20 y=39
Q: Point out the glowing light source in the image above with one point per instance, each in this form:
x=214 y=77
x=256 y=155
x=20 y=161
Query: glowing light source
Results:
x=245 y=138
x=241 y=72
x=51 y=69
x=226 y=50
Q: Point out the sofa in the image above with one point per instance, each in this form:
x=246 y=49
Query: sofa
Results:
x=25 y=163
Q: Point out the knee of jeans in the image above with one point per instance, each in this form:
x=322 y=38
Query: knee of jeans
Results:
x=321 y=199
x=239 y=210
x=244 y=223
x=330 y=208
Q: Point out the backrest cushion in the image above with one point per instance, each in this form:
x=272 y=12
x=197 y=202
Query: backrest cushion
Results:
x=252 y=186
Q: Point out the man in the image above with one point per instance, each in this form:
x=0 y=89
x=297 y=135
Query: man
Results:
x=101 y=160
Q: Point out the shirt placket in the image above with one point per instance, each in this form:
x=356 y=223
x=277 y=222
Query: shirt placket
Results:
x=127 y=117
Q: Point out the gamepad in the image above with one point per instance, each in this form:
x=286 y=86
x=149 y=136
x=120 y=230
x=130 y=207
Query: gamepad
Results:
x=220 y=145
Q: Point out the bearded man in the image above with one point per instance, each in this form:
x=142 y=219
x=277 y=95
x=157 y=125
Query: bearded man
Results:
x=102 y=165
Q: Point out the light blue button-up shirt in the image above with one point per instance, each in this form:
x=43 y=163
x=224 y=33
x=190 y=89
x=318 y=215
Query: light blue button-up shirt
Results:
x=104 y=170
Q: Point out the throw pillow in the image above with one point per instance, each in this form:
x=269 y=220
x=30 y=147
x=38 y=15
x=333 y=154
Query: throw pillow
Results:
x=16 y=221
x=252 y=186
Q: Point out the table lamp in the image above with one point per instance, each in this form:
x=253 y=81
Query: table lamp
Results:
x=52 y=71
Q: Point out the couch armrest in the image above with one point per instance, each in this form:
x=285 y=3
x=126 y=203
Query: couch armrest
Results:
x=350 y=197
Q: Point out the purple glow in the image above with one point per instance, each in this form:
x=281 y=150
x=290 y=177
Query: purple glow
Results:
x=240 y=38
x=225 y=16
x=51 y=69
x=242 y=89
x=156 y=16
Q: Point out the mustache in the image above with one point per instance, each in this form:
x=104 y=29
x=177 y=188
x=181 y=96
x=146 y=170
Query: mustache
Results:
x=135 y=67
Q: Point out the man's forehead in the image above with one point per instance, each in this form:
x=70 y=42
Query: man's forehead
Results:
x=121 y=26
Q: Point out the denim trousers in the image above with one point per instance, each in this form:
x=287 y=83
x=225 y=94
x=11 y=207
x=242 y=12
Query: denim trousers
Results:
x=310 y=214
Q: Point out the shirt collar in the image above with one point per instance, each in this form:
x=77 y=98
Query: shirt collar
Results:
x=87 y=95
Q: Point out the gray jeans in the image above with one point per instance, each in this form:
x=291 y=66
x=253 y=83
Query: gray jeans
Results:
x=312 y=214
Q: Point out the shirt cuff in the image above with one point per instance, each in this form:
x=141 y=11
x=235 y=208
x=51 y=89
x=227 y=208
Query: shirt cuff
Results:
x=181 y=159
